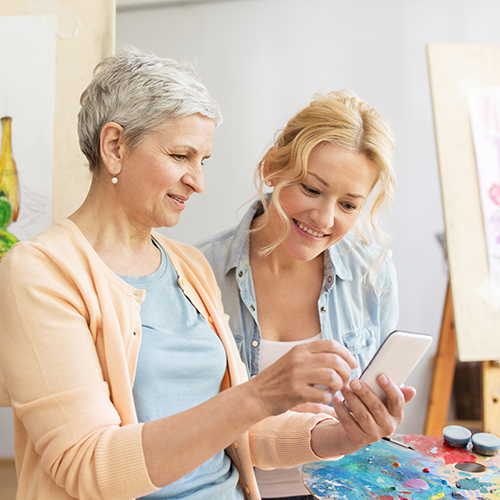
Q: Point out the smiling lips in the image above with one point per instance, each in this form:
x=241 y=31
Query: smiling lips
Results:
x=178 y=201
x=308 y=230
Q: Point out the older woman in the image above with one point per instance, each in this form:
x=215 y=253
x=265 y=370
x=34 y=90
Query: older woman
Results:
x=123 y=375
x=292 y=271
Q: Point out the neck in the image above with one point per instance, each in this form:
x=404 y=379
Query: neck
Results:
x=264 y=235
x=106 y=225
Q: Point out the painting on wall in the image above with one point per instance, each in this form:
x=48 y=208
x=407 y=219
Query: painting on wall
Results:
x=484 y=112
x=27 y=92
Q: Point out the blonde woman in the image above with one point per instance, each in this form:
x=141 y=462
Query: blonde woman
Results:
x=300 y=266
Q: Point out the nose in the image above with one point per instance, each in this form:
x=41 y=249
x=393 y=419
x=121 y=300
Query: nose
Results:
x=195 y=178
x=324 y=215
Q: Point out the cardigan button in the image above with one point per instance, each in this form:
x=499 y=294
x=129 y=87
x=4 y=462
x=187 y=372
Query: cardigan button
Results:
x=247 y=490
x=252 y=308
x=323 y=309
x=255 y=343
x=236 y=445
x=240 y=274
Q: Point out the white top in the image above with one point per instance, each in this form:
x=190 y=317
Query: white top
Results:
x=280 y=482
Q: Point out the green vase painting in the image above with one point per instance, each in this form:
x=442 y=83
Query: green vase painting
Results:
x=9 y=188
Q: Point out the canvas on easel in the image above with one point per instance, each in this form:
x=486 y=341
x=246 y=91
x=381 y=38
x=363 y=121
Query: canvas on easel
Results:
x=472 y=311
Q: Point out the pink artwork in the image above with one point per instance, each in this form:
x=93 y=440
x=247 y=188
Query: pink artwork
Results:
x=484 y=111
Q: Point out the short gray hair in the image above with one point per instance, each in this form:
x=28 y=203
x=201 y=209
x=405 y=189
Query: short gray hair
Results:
x=140 y=92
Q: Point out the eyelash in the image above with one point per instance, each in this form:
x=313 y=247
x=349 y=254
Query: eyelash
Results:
x=349 y=207
x=183 y=157
x=314 y=192
x=308 y=190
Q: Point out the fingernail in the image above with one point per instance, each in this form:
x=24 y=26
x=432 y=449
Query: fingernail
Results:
x=383 y=380
x=355 y=385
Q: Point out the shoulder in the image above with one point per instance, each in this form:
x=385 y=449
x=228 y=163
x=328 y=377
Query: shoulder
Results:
x=55 y=243
x=217 y=247
x=362 y=256
x=52 y=261
x=185 y=257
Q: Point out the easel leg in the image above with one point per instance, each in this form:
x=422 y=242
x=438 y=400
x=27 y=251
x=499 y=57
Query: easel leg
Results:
x=444 y=372
x=491 y=396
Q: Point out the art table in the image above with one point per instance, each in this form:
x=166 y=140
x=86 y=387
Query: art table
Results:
x=387 y=471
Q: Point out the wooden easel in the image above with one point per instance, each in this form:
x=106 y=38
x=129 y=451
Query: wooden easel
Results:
x=442 y=381
x=470 y=325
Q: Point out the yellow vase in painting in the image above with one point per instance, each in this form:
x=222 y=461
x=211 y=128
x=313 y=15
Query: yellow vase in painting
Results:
x=9 y=187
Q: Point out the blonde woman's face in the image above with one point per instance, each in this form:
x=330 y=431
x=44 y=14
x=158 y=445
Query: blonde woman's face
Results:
x=324 y=207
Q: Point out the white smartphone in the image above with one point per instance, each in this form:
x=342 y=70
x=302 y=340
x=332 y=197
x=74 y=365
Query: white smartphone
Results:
x=396 y=358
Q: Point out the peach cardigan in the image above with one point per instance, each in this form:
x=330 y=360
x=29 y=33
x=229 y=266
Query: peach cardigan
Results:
x=70 y=331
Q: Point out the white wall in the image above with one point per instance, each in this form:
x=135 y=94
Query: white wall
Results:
x=264 y=59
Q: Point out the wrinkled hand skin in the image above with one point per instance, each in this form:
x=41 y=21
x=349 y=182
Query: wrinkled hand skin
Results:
x=368 y=421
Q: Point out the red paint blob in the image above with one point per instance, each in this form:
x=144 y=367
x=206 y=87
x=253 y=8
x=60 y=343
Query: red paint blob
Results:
x=426 y=470
x=396 y=464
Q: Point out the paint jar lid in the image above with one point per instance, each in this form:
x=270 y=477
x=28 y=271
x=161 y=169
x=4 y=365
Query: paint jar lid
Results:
x=457 y=436
x=485 y=444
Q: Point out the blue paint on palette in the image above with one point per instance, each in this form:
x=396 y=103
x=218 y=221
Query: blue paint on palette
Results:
x=382 y=471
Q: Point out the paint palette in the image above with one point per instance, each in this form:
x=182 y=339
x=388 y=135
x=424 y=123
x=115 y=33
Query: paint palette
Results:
x=433 y=470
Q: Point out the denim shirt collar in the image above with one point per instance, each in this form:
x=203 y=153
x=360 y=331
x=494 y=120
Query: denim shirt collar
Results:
x=335 y=264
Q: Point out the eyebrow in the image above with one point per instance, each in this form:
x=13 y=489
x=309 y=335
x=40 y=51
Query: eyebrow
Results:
x=351 y=195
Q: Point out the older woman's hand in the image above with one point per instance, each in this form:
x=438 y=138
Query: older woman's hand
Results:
x=308 y=373
x=368 y=420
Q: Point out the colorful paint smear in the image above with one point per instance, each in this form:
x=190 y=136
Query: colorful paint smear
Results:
x=428 y=473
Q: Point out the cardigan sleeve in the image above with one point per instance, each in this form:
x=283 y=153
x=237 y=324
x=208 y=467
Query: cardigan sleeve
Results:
x=284 y=441
x=55 y=382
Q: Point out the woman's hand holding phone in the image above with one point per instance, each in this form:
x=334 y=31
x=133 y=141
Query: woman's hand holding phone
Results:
x=367 y=418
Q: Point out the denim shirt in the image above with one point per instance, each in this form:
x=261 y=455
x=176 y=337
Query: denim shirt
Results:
x=351 y=310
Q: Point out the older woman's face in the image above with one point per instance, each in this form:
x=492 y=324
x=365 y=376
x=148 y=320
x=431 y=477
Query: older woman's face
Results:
x=160 y=174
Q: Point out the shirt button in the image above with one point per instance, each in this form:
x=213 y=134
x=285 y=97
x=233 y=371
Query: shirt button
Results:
x=236 y=445
x=252 y=308
x=255 y=343
x=329 y=279
x=211 y=320
x=363 y=342
x=323 y=309
x=247 y=490
x=135 y=333
x=240 y=274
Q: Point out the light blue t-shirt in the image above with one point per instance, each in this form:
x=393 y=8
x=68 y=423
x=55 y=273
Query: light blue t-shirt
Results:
x=181 y=364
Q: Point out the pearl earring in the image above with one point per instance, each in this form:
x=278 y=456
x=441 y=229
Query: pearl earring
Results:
x=114 y=180
x=268 y=183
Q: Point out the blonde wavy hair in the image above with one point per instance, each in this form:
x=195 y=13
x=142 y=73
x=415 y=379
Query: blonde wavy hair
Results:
x=342 y=119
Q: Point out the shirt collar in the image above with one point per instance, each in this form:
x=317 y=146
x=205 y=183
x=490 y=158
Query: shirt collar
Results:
x=240 y=246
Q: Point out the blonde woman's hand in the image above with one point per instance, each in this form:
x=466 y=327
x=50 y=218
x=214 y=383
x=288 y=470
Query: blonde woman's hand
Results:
x=367 y=420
